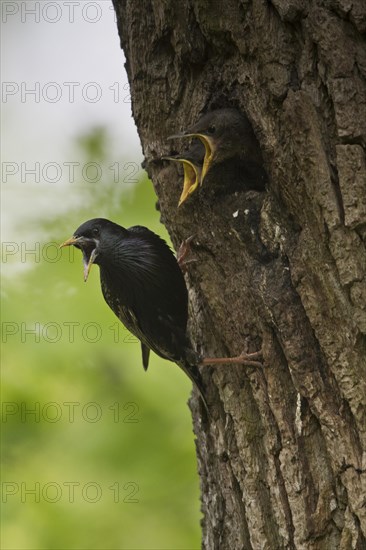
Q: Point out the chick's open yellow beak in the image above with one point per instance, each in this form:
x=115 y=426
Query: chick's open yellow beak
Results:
x=209 y=152
x=190 y=182
x=210 y=148
x=191 y=177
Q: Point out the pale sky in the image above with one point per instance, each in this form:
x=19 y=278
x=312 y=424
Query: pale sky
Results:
x=62 y=74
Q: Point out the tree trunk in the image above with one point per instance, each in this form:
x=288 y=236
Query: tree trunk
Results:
x=283 y=460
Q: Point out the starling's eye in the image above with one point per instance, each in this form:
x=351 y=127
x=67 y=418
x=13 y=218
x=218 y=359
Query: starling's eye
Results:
x=211 y=129
x=95 y=231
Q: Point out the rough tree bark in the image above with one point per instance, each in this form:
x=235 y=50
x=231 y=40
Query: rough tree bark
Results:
x=283 y=461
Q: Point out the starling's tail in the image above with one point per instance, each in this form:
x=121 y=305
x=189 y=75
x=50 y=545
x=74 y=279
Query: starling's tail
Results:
x=194 y=374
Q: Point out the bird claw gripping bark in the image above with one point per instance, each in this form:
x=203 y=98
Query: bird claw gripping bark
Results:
x=248 y=359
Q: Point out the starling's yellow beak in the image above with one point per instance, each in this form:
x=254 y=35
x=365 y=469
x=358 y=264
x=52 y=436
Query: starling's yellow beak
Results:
x=83 y=244
x=191 y=179
x=69 y=242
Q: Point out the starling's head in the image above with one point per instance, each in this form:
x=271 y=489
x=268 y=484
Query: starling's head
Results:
x=92 y=238
x=224 y=133
x=192 y=161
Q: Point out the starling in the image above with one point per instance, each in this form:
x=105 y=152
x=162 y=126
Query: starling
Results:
x=144 y=286
x=233 y=159
x=192 y=161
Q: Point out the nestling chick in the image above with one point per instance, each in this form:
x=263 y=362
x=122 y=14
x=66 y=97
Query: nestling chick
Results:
x=233 y=159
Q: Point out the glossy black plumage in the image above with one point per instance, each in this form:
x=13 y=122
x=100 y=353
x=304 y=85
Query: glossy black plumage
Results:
x=142 y=283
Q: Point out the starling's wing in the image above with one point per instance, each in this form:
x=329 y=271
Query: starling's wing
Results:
x=162 y=336
x=151 y=339
x=145 y=355
x=167 y=337
x=127 y=316
x=178 y=341
x=129 y=319
x=173 y=340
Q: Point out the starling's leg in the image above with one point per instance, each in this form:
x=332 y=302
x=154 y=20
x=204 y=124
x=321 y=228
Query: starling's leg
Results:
x=248 y=359
x=183 y=252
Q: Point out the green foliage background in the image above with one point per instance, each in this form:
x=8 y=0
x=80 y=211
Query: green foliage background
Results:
x=123 y=437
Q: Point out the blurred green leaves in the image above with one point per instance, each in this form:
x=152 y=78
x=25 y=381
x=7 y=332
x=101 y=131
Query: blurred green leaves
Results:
x=96 y=452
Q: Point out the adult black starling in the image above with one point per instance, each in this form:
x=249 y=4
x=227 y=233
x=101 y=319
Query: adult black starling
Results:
x=142 y=283
x=192 y=161
x=233 y=158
